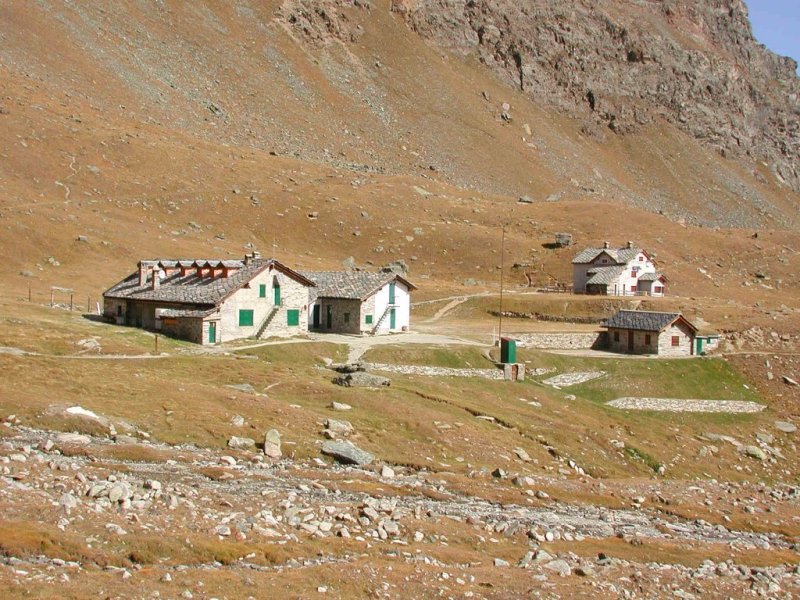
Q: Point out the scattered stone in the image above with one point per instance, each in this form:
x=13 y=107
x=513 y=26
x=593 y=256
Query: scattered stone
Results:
x=525 y=200
x=499 y=473
x=499 y=562
x=243 y=387
x=237 y=421
x=387 y=472
x=789 y=381
x=347 y=453
x=522 y=454
x=559 y=566
x=755 y=452
x=785 y=426
x=337 y=427
x=241 y=443
x=73 y=438
x=340 y=406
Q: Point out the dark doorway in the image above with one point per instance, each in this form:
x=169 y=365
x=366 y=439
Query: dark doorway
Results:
x=630 y=342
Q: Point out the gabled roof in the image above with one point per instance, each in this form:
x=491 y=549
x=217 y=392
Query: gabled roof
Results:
x=641 y=320
x=190 y=289
x=350 y=285
x=605 y=275
x=620 y=256
x=653 y=277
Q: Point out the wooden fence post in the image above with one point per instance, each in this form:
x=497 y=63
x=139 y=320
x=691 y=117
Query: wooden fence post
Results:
x=70 y=302
x=156 y=338
x=29 y=292
x=52 y=298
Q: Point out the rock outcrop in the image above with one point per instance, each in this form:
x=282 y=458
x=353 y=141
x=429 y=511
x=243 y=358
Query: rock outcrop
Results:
x=694 y=64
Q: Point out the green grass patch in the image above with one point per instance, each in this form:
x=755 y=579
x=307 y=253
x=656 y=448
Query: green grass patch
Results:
x=454 y=357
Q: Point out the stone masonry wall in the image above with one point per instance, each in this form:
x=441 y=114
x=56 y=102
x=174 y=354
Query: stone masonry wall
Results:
x=562 y=341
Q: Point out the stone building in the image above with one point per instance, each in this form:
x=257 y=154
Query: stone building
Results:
x=643 y=332
x=359 y=302
x=627 y=271
x=208 y=301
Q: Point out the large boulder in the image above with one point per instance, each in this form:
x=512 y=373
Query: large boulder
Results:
x=272 y=444
x=347 y=453
x=361 y=379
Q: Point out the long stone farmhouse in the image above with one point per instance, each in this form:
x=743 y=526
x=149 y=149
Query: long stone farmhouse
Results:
x=211 y=301
x=627 y=271
x=647 y=332
x=359 y=302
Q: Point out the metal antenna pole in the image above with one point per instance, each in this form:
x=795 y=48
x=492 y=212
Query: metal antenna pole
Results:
x=502 y=268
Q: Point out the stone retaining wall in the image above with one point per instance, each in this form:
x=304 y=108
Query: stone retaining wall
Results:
x=562 y=341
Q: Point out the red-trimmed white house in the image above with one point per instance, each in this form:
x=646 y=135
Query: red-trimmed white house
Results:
x=626 y=271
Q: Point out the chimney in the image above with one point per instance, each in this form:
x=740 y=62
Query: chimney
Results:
x=247 y=259
x=156 y=283
x=256 y=255
x=605 y=245
x=630 y=244
x=142 y=273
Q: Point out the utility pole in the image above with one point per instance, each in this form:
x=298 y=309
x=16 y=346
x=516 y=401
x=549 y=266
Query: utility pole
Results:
x=502 y=268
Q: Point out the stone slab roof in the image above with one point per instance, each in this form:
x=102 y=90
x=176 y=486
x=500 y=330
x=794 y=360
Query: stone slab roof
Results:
x=621 y=256
x=178 y=313
x=206 y=292
x=651 y=276
x=641 y=320
x=605 y=275
x=351 y=285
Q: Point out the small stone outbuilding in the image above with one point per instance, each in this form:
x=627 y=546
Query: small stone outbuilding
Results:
x=647 y=332
x=359 y=302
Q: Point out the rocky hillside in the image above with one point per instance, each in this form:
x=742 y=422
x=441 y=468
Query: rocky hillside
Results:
x=624 y=64
x=631 y=102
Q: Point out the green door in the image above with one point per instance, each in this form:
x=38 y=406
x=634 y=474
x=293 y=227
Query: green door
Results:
x=392 y=319
x=212 y=333
x=276 y=292
x=391 y=293
x=699 y=346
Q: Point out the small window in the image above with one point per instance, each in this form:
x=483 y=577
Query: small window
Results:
x=633 y=273
x=658 y=290
x=346 y=317
x=368 y=319
x=293 y=317
x=245 y=318
x=641 y=258
x=676 y=340
x=604 y=261
x=262 y=290
x=616 y=336
x=647 y=341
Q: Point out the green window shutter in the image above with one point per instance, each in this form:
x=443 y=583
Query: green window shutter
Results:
x=368 y=319
x=293 y=317
x=262 y=290
x=245 y=318
x=392 y=293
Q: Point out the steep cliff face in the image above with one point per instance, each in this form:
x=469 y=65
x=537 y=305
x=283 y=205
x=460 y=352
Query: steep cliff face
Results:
x=623 y=64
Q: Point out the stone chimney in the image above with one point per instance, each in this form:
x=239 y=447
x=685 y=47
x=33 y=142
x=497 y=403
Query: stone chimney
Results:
x=630 y=244
x=142 y=273
x=605 y=245
x=256 y=255
x=156 y=283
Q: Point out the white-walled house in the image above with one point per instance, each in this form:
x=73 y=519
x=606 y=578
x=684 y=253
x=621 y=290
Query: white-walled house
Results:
x=209 y=301
x=627 y=271
x=359 y=302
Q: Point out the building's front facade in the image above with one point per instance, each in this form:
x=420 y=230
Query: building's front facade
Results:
x=210 y=301
x=648 y=332
x=627 y=271
x=359 y=302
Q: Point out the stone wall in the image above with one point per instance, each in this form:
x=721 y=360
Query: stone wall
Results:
x=190 y=329
x=345 y=313
x=562 y=341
